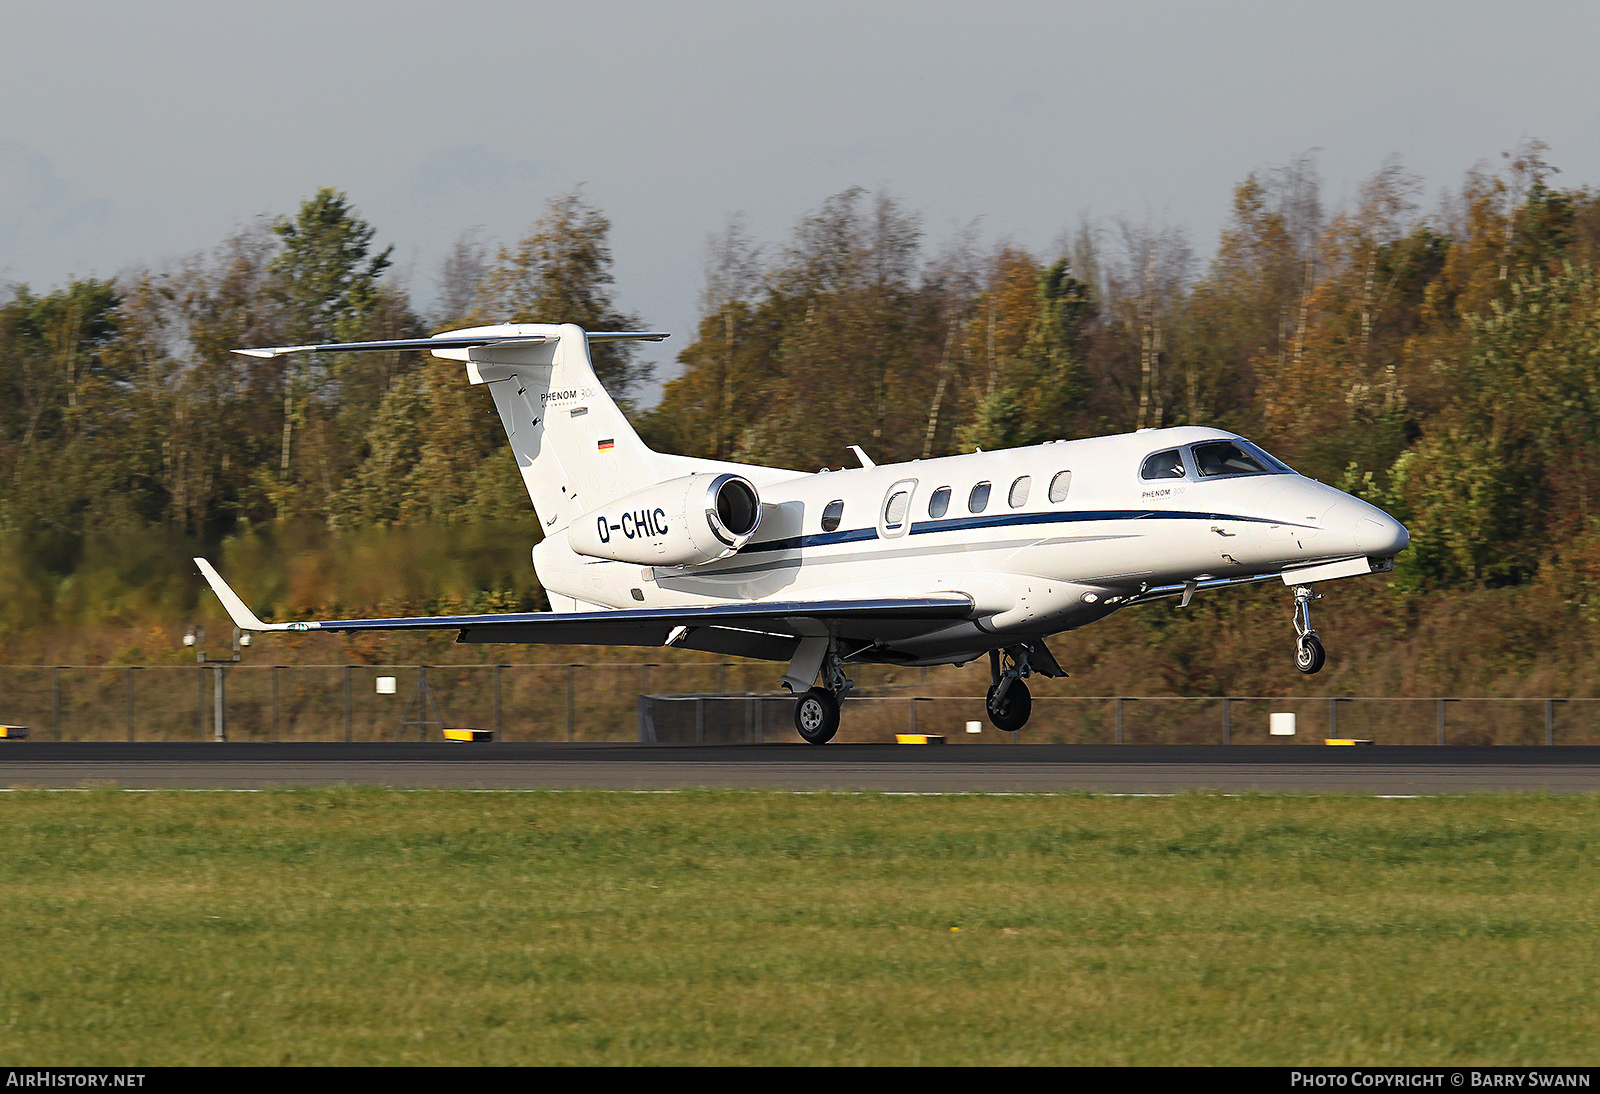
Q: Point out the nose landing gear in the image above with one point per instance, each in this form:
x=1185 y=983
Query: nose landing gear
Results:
x=1308 y=652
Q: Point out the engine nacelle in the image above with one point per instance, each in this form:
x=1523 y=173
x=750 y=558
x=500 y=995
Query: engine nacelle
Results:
x=681 y=522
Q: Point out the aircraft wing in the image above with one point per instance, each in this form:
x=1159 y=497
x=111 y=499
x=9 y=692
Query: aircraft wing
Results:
x=759 y=629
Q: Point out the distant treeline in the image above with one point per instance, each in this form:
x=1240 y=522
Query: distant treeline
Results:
x=1441 y=363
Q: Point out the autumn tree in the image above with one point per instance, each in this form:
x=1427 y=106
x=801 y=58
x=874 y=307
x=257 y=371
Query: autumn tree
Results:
x=1248 y=312
x=460 y=282
x=953 y=284
x=560 y=272
x=844 y=299
x=1145 y=305
x=730 y=364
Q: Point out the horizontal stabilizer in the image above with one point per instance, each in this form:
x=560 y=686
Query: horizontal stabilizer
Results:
x=446 y=342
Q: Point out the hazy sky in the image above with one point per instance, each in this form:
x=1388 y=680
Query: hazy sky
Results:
x=134 y=133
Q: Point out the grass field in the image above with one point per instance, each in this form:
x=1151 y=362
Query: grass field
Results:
x=360 y=926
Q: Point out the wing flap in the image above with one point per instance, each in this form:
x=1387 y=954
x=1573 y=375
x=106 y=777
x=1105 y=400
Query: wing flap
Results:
x=651 y=626
x=762 y=645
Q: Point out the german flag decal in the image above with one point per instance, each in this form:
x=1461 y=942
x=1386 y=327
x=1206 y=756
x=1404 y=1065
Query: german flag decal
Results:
x=608 y=444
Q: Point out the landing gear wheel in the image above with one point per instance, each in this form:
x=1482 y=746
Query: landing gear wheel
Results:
x=1309 y=655
x=1011 y=713
x=816 y=716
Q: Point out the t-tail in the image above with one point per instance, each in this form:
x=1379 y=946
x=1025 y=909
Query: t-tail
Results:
x=573 y=446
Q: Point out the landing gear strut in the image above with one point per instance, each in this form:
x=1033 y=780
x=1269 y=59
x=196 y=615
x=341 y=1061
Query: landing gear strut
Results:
x=1308 y=652
x=816 y=712
x=1009 y=702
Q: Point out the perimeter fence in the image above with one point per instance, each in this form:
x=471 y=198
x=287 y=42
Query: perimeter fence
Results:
x=698 y=701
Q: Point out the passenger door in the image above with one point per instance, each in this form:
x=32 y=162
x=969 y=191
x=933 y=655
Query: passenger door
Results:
x=894 y=515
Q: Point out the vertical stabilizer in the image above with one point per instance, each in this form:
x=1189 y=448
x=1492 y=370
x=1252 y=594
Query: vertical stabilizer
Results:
x=574 y=448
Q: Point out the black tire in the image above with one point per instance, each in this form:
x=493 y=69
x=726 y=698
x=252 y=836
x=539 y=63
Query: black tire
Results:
x=1309 y=655
x=1012 y=714
x=816 y=716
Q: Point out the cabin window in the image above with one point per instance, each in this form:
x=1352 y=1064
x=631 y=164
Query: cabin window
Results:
x=1060 y=485
x=978 y=500
x=1226 y=458
x=832 y=514
x=1163 y=465
x=1019 y=492
x=939 y=503
x=894 y=510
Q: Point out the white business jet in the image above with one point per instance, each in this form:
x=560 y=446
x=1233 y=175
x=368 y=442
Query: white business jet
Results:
x=932 y=562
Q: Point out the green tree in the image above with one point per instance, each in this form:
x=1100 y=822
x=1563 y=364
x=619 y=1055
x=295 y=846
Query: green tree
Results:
x=58 y=413
x=326 y=281
x=326 y=276
x=52 y=357
x=1495 y=483
x=1036 y=386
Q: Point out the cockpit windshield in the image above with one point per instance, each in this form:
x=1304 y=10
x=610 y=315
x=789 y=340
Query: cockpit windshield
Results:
x=1214 y=458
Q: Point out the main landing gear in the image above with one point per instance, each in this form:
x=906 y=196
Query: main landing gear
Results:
x=816 y=712
x=1009 y=702
x=816 y=716
x=1308 y=652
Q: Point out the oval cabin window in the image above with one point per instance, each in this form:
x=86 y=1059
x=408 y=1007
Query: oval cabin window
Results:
x=832 y=515
x=1060 y=485
x=978 y=500
x=1019 y=492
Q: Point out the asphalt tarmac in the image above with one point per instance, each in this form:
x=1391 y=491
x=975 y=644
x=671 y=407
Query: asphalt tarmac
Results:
x=1124 y=769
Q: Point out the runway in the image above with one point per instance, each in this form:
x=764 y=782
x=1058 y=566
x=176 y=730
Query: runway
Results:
x=1127 y=769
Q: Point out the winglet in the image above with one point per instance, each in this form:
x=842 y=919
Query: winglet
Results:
x=243 y=617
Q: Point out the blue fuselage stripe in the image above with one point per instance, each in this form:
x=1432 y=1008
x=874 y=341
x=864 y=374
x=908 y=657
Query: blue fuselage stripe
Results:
x=997 y=520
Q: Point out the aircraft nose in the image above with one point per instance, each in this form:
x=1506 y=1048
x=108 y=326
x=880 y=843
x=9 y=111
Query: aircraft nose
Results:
x=1378 y=535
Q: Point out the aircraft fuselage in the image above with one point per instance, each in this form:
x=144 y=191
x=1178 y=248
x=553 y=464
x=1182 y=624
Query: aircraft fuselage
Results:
x=1043 y=539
